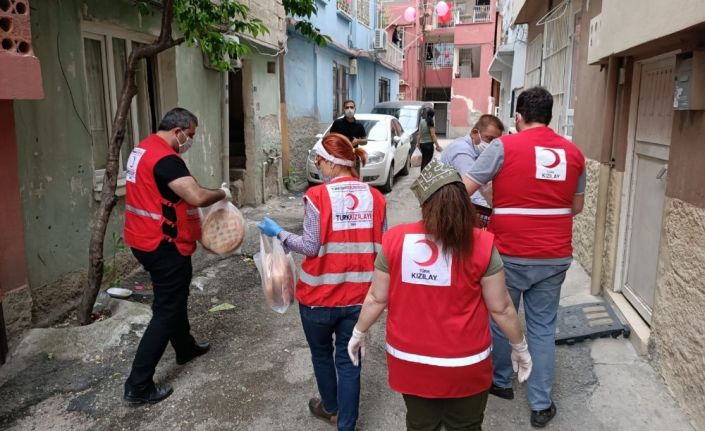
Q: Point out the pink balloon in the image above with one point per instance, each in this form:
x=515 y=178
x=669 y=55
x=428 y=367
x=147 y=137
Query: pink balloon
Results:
x=442 y=8
x=410 y=14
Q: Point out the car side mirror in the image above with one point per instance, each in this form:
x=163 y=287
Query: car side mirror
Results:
x=396 y=140
x=319 y=136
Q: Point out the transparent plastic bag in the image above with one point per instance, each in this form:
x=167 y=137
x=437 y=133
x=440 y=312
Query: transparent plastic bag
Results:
x=222 y=228
x=416 y=158
x=278 y=273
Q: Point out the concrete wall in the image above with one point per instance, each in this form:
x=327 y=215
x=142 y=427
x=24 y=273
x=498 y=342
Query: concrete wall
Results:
x=630 y=23
x=677 y=329
x=200 y=92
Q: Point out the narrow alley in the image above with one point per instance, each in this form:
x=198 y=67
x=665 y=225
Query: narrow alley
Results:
x=258 y=375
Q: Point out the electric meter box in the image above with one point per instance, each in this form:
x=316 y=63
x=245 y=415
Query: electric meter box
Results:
x=689 y=91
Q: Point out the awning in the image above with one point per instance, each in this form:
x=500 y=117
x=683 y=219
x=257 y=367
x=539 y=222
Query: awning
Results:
x=502 y=62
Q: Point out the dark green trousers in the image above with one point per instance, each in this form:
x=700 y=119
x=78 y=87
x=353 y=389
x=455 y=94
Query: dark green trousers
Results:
x=456 y=414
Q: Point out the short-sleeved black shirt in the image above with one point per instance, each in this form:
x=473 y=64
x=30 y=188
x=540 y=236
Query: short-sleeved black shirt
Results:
x=349 y=129
x=167 y=170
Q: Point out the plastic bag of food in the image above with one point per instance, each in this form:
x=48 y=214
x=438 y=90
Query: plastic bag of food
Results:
x=278 y=273
x=222 y=228
x=416 y=158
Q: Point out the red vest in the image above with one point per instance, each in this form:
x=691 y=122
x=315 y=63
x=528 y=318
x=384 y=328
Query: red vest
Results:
x=351 y=218
x=143 y=203
x=533 y=195
x=438 y=334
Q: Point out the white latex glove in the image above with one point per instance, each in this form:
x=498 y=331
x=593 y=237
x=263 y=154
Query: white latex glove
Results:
x=357 y=346
x=224 y=187
x=521 y=360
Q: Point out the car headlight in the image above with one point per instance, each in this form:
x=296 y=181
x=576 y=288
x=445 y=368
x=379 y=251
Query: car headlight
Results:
x=375 y=157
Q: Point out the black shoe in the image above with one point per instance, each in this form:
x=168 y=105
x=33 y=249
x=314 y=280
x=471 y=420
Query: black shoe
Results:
x=197 y=350
x=539 y=418
x=151 y=395
x=506 y=393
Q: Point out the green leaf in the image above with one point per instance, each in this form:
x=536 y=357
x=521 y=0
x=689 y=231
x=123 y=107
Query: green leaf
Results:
x=221 y=307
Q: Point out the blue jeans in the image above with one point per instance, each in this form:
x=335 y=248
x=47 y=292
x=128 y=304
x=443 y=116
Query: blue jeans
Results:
x=337 y=378
x=540 y=286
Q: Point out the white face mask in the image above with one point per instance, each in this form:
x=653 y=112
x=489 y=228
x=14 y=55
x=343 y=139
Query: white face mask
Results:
x=482 y=146
x=186 y=145
x=349 y=113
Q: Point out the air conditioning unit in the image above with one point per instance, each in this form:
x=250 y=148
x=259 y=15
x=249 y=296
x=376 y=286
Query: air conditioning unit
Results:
x=380 y=41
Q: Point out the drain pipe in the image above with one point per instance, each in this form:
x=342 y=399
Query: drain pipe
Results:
x=226 y=129
x=604 y=175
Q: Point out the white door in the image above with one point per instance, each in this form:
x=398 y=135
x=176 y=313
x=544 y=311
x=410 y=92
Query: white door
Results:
x=652 y=138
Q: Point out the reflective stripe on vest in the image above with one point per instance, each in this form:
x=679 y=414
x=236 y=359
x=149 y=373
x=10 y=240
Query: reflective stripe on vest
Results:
x=533 y=211
x=439 y=362
x=348 y=248
x=340 y=278
x=143 y=213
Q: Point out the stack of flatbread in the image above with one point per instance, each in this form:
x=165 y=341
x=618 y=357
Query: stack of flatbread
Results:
x=223 y=230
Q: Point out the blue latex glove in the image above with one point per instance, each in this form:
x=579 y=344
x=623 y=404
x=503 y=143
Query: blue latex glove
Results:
x=269 y=227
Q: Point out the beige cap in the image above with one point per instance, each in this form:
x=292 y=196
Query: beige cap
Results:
x=434 y=176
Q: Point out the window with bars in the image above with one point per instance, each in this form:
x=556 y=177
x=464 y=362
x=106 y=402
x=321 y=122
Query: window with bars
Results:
x=469 y=62
x=533 y=63
x=362 y=9
x=384 y=88
x=439 y=55
x=345 y=6
x=105 y=61
x=556 y=63
x=340 y=88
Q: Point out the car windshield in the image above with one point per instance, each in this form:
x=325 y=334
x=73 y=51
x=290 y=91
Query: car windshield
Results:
x=376 y=130
x=407 y=116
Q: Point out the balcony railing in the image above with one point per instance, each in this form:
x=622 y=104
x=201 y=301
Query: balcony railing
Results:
x=465 y=14
x=474 y=14
x=394 y=55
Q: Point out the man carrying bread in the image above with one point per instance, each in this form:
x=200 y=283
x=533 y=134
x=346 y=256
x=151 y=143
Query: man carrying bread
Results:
x=162 y=225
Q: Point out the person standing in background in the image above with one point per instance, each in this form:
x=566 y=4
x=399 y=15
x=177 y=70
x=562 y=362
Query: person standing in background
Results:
x=426 y=140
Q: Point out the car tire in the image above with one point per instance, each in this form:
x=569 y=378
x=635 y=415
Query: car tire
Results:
x=387 y=187
x=407 y=165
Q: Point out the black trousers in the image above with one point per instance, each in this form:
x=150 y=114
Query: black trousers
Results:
x=171 y=277
x=427 y=149
x=456 y=414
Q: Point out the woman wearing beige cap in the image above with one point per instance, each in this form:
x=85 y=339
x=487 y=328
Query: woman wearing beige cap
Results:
x=441 y=278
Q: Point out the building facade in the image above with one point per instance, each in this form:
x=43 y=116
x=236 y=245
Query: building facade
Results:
x=20 y=79
x=320 y=78
x=62 y=139
x=629 y=87
x=447 y=59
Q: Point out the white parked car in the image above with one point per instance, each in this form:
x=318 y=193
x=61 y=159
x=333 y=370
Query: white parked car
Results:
x=388 y=152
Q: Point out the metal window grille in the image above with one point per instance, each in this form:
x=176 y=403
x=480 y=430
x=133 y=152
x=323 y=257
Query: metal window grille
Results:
x=344 y=6
x=363 y=11
x=533 y=63
x=556 y=60
x=439 y=55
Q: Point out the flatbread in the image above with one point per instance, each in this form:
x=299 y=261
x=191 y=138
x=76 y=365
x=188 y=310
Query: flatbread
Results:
x=223 y=231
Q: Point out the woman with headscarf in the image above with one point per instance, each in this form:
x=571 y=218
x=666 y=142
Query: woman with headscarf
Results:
x=344 y=220
x=441 y=279
x=426 y=139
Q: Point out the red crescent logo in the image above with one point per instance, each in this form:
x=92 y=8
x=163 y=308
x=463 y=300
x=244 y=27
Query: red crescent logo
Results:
x=556 y=158
x=434 y=252
x=355 y=201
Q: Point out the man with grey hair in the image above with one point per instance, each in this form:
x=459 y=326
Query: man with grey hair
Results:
x=162 y=225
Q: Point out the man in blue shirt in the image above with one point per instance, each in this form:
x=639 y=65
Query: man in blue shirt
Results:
x=462 y=153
